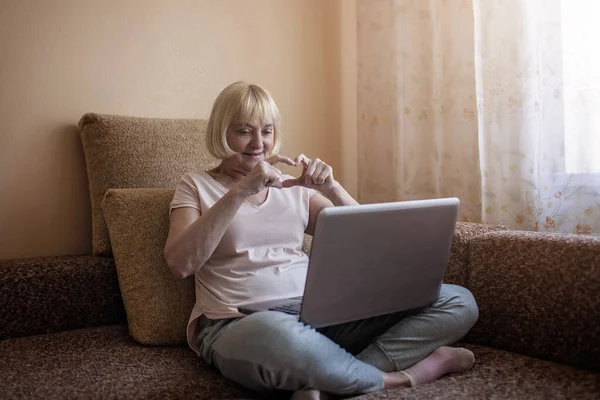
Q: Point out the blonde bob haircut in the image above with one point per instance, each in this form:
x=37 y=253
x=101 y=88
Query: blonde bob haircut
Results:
x=240 y=103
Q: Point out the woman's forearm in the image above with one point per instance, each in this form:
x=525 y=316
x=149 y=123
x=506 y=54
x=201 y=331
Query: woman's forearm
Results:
x=196 y=244
x=339 y=196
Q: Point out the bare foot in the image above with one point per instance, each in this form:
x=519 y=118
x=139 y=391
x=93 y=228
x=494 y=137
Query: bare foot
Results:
x=394 y=380
x=444 y=360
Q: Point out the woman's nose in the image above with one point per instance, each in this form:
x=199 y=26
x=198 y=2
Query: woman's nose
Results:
x=256 y=140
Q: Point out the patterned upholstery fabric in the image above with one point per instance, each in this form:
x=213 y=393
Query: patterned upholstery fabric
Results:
x=45 y=295
x=132 y=152
x=158 y=305
x=457 y=270
x=538 y=294
x=105 y=363
x=502 y=375
x=307 y=242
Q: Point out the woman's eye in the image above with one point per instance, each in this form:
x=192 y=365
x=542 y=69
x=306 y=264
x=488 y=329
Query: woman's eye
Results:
x=268 y=132
x=244 y=132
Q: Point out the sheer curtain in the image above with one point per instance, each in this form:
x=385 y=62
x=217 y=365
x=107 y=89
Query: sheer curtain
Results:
x=493 y=101
x=417 y=119
x=537 y=74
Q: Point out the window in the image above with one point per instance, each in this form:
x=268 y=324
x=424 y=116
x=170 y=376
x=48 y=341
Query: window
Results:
x=581 y=80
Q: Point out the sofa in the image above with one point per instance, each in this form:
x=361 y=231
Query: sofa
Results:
x=112 y=324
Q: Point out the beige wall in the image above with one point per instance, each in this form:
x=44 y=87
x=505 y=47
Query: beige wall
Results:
x=347 y=75
x=159 y=58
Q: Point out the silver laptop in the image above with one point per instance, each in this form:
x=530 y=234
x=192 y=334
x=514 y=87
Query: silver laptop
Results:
x=373 y=259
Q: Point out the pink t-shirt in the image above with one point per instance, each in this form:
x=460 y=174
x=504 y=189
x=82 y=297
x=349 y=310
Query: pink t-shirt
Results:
x=260 y=256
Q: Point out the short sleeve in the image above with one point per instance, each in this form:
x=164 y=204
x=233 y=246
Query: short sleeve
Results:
x=186 y=194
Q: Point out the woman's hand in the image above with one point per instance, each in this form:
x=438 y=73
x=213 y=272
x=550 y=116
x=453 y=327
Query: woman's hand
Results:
x=315 y=175
x=264 y=175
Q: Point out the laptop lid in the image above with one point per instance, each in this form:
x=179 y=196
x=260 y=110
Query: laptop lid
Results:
x=374 y=259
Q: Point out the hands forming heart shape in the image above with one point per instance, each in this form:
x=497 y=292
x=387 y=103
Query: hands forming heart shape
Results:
x=316 y=174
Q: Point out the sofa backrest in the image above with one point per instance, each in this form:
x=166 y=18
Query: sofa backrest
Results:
x=457 y=271
x=53 y=294
x=538 y=294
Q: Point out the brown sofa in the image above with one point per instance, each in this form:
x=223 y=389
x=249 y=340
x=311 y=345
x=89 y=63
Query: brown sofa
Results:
x=63 y=328
x=68 y=324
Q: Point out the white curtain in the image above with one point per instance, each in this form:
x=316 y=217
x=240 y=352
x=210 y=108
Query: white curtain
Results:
x=538 y=86
x=496 y=102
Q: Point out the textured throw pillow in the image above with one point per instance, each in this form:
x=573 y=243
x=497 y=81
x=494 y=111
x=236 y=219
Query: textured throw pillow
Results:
x=157 y=303
x=132 y=152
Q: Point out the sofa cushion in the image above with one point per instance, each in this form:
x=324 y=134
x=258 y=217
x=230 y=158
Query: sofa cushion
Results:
x=538 y=295
x=158 y=304
x=131 y=152
x=502 y=375
x=52 y=294
x=103 y=363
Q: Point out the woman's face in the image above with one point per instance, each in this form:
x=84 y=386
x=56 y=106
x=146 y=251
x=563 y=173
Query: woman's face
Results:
x=252 y=141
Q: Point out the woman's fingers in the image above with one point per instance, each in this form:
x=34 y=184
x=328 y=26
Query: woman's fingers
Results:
x=316 y=177
x=275 y=182
x=324 y=174
x=280 y=159
x=273 y=176
x=301 y=158
x=263 y=175
x=293 y=182
x=315 y=173
x=310 y=171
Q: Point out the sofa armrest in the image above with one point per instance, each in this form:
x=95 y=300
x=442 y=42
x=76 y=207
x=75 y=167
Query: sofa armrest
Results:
x=457 y=271
x=45 y=295
x=538 y=295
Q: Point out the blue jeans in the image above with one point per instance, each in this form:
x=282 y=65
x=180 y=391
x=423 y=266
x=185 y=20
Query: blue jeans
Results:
x=272 y=350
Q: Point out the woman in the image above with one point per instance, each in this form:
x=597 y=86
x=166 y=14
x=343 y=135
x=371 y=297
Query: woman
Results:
x=239 y=228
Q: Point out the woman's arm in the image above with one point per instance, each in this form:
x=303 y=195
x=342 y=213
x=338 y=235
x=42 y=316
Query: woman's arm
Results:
x=339 y=196
x=334 y=196
x=193 y=237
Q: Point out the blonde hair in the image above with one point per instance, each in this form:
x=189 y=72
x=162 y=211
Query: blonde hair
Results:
x=240 y=102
